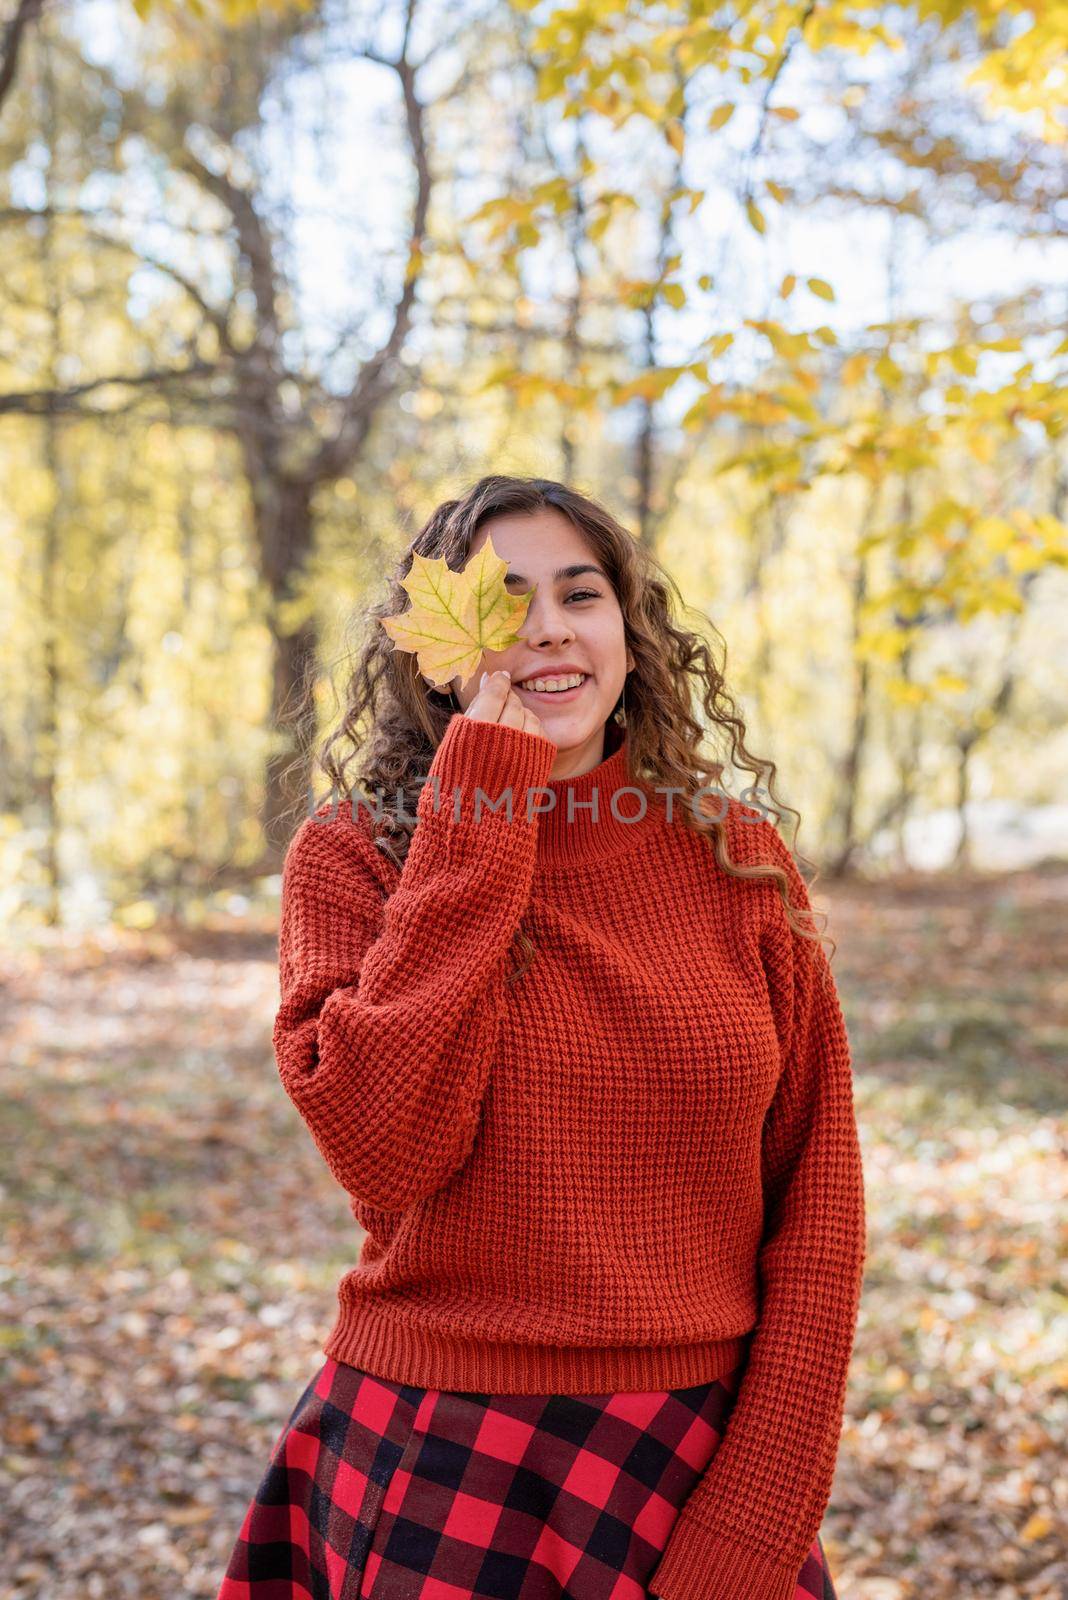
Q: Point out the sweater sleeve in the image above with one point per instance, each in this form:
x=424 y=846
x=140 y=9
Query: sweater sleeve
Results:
x=390 y=1001
x=747 y=1527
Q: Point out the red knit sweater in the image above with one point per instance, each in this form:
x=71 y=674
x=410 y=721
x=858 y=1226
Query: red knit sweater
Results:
x=628 y=1168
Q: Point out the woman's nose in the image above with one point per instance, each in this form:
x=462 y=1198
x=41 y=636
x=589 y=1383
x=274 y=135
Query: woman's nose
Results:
x=548 y=622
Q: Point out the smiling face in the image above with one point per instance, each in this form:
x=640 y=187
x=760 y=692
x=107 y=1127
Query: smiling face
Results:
x=573 y=626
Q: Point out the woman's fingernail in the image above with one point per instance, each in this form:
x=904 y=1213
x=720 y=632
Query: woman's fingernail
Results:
x=482 y=680
x=506 y=674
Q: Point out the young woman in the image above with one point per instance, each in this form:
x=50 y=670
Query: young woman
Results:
x=557 y=1018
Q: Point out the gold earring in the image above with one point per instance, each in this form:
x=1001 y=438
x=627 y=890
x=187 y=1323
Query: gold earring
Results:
x=619 y=715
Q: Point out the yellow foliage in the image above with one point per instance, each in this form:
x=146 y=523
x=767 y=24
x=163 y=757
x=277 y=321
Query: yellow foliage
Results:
x=788 y=345
x=949 y=683
x=650 y=385
x=230 y=12
x=887 y=371
x=982 y=445
x=904 y=693
x=139 y=914
x=1039 y=1525
x=997 y=533
x=964 y=360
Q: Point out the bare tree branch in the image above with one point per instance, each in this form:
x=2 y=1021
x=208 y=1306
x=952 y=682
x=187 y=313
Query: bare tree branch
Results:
x=141 y=258
x=50 y=402
x=26 y=13
x=253 y=241
x=376 y=373
x=112 y=214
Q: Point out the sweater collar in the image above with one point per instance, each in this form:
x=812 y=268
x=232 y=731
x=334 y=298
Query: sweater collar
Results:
x=598 y=826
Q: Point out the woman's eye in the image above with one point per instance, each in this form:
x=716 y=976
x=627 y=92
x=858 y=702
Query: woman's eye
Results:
x=583 y=594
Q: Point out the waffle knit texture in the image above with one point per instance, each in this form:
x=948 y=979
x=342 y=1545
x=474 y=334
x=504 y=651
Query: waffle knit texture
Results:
x=630 y=1167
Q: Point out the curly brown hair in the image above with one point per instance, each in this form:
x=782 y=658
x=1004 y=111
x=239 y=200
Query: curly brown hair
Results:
x=390 y=721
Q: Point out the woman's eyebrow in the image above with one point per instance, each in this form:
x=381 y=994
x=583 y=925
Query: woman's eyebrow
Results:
x=561 y=573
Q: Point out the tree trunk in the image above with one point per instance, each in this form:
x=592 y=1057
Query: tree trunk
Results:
x=963 y=855
x=284 y=528
x=853 y=762
x=47 y=756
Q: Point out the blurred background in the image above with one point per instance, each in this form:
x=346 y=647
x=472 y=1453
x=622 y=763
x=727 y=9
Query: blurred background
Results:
x=785 y=285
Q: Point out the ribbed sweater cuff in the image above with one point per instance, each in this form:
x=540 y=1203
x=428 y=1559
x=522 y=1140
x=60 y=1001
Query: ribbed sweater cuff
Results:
x=700 y=1564
x=491 y=756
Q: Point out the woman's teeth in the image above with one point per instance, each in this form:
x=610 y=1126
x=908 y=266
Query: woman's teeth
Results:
x=553 y=685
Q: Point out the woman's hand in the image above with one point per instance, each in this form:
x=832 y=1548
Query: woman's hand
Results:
x=497 y=701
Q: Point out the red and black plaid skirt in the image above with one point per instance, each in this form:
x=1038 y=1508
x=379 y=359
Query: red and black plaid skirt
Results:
x=379 y=1490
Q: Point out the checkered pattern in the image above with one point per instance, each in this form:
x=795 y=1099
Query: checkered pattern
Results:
x=378 y=1490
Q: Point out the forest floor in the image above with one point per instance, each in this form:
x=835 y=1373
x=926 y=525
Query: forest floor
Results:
x=172 y=1243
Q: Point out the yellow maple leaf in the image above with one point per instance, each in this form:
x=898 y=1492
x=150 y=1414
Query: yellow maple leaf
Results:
x=455 y=616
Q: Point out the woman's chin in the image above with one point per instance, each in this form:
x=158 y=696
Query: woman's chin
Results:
x=570 y=730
